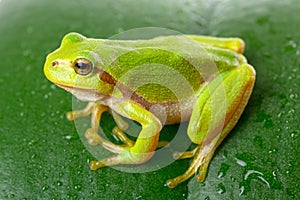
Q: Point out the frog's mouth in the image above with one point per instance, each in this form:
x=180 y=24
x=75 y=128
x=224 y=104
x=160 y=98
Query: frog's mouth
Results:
x=83 y=94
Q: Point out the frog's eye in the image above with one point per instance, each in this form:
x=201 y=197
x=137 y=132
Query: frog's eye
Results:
x=82 y=66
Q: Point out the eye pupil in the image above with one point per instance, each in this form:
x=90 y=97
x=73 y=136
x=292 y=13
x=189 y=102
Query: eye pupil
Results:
x=83 y=66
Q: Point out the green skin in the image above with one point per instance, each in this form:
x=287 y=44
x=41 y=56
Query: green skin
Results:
x=164 y=80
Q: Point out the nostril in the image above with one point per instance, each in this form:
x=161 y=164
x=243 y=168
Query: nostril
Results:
x=54 y=63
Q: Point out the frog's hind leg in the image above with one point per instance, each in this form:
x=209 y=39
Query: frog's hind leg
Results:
x=234 y=44
x=207 y=127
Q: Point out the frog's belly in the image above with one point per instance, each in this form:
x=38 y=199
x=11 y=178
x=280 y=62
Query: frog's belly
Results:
x=173 y=112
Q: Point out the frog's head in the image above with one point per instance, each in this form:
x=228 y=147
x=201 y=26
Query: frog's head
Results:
x=75 y=67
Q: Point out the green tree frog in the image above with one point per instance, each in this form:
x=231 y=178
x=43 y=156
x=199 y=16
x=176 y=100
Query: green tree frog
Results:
x=158 y=81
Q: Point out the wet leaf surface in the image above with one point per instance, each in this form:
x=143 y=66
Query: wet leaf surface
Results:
x=42 y=156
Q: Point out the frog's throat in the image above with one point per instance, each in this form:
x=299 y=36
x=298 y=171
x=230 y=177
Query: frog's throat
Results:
x=83 y=94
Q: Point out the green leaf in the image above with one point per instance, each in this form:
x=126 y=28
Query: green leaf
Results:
x=41 y=154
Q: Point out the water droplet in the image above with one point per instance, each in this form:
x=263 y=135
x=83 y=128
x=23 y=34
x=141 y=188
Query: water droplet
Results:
x=45 y=188
x=10 y=196
x=225 y=154
x=292 y=96
x=295 y=134
x=61 y=174
x=242 y=189
x=75 y=157
x=32 y=142
x=264 y=180
x=241 y=162
x=71 y=137
x=68 y=137
x=207 y=198
x=92 y=193
x=221 y=188
x=223 y=170
x=290 y=45
x=273 y=151
x=232 y=178
x=77 y=187
x=59 y=183
x=249 y=172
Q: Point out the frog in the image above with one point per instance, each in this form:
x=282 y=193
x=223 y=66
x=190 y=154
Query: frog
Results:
x=205 y=81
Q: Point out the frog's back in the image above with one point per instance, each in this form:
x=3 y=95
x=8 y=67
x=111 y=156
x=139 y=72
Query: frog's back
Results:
x=161 y=70
x=164 y=72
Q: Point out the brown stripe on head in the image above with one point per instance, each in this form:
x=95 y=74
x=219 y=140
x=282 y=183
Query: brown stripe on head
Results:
x=106 y=77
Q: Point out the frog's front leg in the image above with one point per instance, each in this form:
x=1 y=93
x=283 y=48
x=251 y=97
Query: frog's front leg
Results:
x=215 y=113
x=143 y=148
x=72 y=115
x=96 y=110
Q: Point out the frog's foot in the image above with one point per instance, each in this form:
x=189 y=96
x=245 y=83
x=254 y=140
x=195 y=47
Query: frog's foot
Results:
x=122 y=136
x=201 y=159
x=94 y=138
x=186 y=154
x=123 y=154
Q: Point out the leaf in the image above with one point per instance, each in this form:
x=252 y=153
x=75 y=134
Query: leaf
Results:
x=42 y=156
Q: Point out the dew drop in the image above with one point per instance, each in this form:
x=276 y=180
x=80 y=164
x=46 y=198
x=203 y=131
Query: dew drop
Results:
x=61 y=174
x=242 y=189
x=291 y=45
x=45 y=188
x=292 y=96
x=59 y=183
x=241 y=162
x=221 y=188
x=223 y=170
x=77 y=187
x=10 y=196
